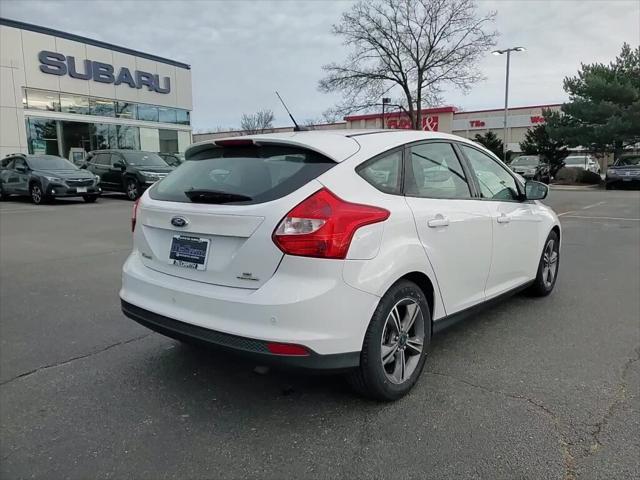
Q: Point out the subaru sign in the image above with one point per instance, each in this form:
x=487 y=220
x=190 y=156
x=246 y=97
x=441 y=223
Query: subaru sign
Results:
x=58 y=64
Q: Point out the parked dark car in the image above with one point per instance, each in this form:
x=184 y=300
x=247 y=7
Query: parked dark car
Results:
x=625 y=171
x=172 y=159
x=128 y=171
x=45 y=177
x=531 y=167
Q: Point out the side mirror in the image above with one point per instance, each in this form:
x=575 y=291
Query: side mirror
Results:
x=21 y=168
x=83 y=166
x=535 y=190
x=119 y=164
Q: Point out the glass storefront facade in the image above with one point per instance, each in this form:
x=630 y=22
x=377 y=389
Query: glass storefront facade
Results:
x=84 y=105
x=57 y=137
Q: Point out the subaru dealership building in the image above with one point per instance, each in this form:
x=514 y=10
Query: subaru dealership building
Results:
x=63 y=94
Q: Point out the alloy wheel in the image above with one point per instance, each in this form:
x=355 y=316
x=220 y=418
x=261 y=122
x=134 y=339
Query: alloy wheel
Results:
x=402 y=341
x=549 y=263
x=132 y=190
x=36 y=194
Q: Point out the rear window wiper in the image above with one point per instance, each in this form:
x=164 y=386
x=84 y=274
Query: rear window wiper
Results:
x=215 y=196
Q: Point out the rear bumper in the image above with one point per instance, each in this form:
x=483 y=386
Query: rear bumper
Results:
x=249 y=347
x=306 y=302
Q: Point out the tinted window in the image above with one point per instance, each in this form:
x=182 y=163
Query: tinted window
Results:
x=126 y=110
x=494 y=181
x=167 y=115
x=100 y=159
x=383 y=172
x=115 y=158
x=49 y=162
x=241 y=175
x=102 y=107
x=39 y=100
x=144 y=158
x=148 y=113
x=7 y=162
x=74 y=104
x=436 y=172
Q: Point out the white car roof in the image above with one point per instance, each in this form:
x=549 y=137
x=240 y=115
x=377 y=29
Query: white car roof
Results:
x=337 y=145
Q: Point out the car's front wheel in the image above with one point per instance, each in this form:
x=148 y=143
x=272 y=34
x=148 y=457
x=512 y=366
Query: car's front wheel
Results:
x=132 y=189
x=395 y=344
x=547 y=267
x=38 y=195
x=3 y=195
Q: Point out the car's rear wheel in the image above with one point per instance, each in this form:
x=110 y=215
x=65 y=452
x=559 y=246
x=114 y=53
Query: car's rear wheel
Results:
x=132 y=189
x=548 y=267
x=395 y=344
x=38 y=195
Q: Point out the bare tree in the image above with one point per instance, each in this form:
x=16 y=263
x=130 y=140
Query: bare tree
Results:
x=257 y=122
x=408 y=48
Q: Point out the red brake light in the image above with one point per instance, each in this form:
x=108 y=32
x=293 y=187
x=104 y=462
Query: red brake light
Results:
x=239 y=142
x=134 y=214
x=287 y=349
x=323 y=225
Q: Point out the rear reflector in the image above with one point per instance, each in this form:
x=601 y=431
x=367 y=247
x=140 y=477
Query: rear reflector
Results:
x=323 y=225
x=287 y=349
x=134 y=214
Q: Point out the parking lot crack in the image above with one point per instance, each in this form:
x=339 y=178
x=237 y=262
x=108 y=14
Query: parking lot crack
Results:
x=619 y=398
x=568 y=458
x=73 y=359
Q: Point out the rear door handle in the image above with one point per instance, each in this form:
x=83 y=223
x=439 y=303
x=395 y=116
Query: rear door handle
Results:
x=438 y=221
x=504 y=218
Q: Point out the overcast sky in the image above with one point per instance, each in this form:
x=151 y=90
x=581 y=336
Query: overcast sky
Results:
x=241 y=51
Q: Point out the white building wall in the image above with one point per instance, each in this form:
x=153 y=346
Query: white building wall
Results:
x=149 y=139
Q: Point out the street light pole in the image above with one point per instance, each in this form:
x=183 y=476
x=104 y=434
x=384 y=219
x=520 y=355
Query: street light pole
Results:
x=385 y=101
x=506 y=95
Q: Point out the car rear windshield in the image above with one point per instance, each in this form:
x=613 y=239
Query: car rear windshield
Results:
x=146 y=159
x=241 y=175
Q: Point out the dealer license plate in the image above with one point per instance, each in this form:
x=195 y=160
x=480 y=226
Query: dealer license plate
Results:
x=189 y=252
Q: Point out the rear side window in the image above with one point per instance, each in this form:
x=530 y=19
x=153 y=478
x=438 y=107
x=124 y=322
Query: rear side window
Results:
x=241 y=175
x=383 y=172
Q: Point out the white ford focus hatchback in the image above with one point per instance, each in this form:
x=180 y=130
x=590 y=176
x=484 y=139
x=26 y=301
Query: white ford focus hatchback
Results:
x=336 y=250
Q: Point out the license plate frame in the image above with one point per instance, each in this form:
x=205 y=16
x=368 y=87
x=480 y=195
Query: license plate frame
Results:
x=81 y=189
x=189 y=251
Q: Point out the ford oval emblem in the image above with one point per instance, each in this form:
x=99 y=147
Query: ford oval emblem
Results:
x=179 y=222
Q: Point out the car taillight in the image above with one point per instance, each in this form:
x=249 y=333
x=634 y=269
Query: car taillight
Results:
x=134 y=215
x=323 y=225
x=287 y=349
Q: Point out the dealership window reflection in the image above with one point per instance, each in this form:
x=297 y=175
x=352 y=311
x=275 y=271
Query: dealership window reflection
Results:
x=102 y=107
x=168 y=141
x=74 y=104
x=126 y=110
x=128 y=137
x=103 y=136
x=41 y=100
x=42 y=136
x=148 y=113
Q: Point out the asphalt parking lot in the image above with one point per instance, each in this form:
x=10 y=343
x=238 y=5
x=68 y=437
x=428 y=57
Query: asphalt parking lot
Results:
x=529 y=389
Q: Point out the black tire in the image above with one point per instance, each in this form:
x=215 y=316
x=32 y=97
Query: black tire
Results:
x=371 y=378
x=132 y=189
x=3 y=196
x=38 y=195
x=609 y=186
x=90 y=198
x=543 y=285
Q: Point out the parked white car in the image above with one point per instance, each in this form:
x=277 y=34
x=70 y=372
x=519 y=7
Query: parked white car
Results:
x=342 y=250
x=585 y=162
